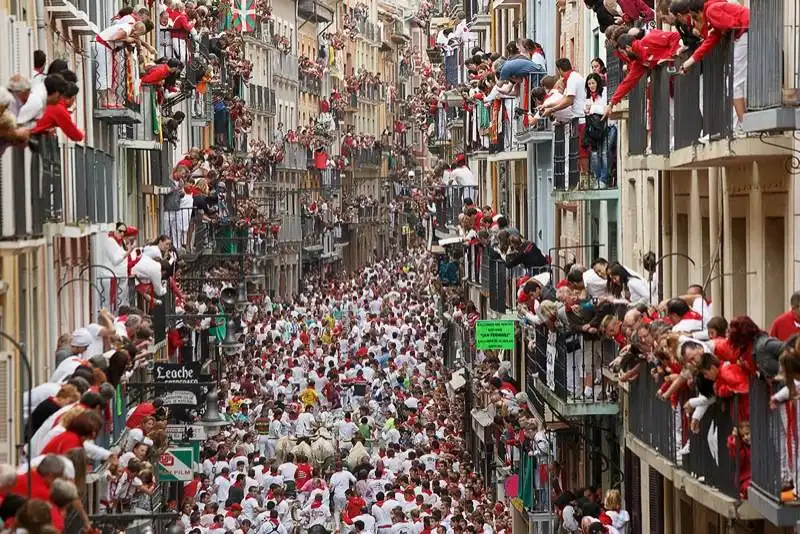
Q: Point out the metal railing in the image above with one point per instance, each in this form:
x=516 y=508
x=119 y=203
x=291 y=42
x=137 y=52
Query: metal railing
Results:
x=286 y=66
x=566 y=173
x=330 y=178
x=718 y=90
x=688 y=110
x=472 y=263
x=654 y=422
x=570 y=364
x=367 y=157
x=637 y=121
x=93 y=185
x=614 y=72
x=773 y=52
x=295 y=157
x=309 y=84
x=115 y=78
x=774 y=443
x=527 y=105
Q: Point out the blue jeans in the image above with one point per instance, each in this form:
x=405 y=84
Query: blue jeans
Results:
x=600 y=156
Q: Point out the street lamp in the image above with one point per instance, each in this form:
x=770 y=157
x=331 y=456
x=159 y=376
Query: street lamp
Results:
x=211 y=417
x=27 y=364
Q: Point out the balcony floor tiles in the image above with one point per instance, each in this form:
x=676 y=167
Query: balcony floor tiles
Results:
x=708 y=496
x=722 y=152
x=572 y=410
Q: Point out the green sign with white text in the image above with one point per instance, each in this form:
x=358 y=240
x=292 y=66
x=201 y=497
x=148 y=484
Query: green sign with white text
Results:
x=494 y=335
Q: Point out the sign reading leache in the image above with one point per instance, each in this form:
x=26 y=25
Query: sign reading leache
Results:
x=494 y=335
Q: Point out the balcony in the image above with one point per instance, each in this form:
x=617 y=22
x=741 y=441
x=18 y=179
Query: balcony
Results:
x=295 y=157
x=330 y=178
x=400 y=33
x=262 y=99
x=145 y=134
x=435 y=55
x=694 y=127
x=76 y=17
x=707 y=464
x=773 y=73
x=527 y=130
x=477 y=11
x=507 y=146
x=310 y=85
x=285 y=66
x=450 y=203
x=774 y=462
x=314 y=11
x=472 y=263
x=29 y=207
x=369 y=31
x=440 y=138
x=367 y=157
x=115 y=100
x=371 y=93
x=569 y=368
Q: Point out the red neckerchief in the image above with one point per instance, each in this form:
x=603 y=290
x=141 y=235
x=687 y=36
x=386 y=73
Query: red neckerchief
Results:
x=274 y=521
x=316 y=504
x=379 y=504
x=691 y=314
x=593 y=94
x=566 y=76
x=113 y=236
x=412 y=499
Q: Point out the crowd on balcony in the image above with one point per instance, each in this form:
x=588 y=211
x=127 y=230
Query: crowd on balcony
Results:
x=696 y=357
x=75 y=422
x=699 y=27
x=39 y=104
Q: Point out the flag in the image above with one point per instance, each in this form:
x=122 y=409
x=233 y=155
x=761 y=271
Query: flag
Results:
x=244 y=15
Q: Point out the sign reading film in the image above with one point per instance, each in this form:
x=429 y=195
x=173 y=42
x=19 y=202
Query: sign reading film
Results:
x=495 y=335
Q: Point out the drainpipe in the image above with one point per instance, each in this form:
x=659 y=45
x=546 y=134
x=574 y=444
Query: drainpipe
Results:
x=41 y=38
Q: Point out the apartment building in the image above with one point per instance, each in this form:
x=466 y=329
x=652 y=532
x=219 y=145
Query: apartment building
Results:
x=714 y=208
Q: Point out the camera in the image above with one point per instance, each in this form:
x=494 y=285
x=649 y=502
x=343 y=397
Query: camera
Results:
x=518 y=112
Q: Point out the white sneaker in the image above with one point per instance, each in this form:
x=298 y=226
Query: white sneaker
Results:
x=588 y=393
x=738 y=131
x=703 y=140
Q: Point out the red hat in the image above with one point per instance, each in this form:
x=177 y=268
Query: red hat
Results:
x=521 y=281
x=461 y=158
x=131 y=231
x=236 y=507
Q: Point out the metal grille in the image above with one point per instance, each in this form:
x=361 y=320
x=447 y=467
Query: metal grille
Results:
x=718 y=90
x=660 y=106
x=637 y=122
x=688 y=117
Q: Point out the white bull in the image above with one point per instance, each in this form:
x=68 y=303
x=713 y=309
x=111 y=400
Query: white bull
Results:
x=322 y=452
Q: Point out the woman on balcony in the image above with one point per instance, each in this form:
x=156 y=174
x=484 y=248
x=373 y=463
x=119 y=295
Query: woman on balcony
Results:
x=600 y=136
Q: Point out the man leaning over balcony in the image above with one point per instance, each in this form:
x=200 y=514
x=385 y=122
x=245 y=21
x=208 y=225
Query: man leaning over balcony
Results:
x=60 y=95
x=715 y=19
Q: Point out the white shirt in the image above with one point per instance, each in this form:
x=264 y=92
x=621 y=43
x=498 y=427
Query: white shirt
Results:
x=34 y=106
x=287 y=470
x=303 y=425
x=403 y=528
x=597 y=105
x=249 y=505
x=369 y=522
x=340 y=482
x=595 y=285
x=223 y=488
x=576 y=87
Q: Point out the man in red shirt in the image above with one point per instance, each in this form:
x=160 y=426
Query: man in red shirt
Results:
x=788 y=323
x=716 y=19
x=57 y=114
